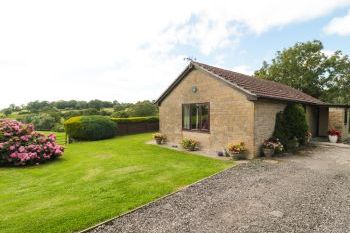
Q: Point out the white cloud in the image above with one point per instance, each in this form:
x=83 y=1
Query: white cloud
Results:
x=244 y=69
x=328 y=52
x=339 y=25
x=126 y=50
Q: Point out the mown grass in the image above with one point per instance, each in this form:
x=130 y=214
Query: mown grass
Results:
x=94 y=181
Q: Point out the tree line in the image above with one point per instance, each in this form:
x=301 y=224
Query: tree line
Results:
x=92 y=107
x=45 y=115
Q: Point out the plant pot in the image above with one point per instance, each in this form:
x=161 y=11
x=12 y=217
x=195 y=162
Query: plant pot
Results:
x=333 y=138
x=159 y=141
x=239 y=156
x=268 y=152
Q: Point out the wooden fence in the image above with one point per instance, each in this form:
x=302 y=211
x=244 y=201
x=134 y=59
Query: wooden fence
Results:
x=137 y=127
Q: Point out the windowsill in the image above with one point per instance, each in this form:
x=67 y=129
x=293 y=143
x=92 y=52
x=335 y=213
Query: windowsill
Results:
x=197 y=131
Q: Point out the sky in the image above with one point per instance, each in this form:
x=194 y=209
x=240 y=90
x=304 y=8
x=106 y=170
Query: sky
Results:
x=133 y=50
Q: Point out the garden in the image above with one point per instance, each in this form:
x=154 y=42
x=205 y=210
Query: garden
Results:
x=56 y=189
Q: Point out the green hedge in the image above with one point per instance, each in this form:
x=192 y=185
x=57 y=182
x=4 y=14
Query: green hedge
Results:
x=90 y=128
x=136 y=119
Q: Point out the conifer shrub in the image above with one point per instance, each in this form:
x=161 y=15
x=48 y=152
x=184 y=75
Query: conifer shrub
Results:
x=290 y=124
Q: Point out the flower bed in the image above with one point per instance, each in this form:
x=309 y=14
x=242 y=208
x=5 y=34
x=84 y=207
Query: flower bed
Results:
x=21 y=145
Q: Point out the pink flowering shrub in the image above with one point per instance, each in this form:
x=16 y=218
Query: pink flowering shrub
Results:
x=21 y=145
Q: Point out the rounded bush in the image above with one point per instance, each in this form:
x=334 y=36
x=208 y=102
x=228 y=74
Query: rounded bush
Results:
x=90 y=128
x=21 y=145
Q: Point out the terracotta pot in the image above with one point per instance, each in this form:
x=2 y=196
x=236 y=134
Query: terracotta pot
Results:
x=268 y=152
x=333 y=138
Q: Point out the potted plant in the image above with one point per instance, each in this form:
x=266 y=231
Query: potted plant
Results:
x=271 y=146
x=190 y=144
x=307 y=138
x=333 y=135
x=160 y=138
x=237 y=151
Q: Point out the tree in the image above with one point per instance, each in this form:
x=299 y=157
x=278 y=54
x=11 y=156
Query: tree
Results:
x=338 y=89
x=307 y=68
x=97 y=104
x=7 y=111
x=36 y=106
x=143 y=108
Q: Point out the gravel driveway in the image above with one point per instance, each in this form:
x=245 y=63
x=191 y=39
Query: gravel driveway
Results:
x=309 y=192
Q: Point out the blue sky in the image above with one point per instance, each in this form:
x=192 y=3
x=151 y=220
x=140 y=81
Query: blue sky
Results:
x=132 y=50
x=253 y=48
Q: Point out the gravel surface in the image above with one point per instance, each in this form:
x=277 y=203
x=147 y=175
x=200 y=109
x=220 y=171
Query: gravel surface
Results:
x=308 y=192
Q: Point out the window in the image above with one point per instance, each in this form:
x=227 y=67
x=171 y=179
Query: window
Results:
x=196 y=117
x=346 y=111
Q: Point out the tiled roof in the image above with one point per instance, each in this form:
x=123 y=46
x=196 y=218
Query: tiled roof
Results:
x=260 y=87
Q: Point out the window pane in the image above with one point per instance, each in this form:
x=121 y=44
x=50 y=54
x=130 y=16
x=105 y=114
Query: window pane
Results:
x=205 y=117
x=186 y=116
x=194 y=116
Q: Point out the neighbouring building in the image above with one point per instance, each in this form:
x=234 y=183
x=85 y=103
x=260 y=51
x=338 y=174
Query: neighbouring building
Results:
x=217 y=106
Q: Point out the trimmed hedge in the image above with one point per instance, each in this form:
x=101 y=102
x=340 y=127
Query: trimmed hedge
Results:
x=136 y=120
x=90 y=128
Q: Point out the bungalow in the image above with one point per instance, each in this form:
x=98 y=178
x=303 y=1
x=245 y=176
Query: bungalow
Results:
x=217 y=106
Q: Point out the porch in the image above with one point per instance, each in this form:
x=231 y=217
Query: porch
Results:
x=330 y=117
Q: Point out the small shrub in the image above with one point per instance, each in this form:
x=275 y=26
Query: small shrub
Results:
x=236 y=148
x=190 y=144
x=237 y=151
x=42 y=121
x=21 y=145
x=307 y=138
x=58 y=127
x=90 y=128
x=160 y=138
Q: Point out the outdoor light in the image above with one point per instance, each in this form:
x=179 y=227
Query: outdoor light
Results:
x=194 y=89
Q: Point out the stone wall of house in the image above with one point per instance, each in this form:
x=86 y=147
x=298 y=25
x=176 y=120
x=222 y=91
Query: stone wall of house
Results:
x=231 y=113
x=336 y=121
x=265 y=119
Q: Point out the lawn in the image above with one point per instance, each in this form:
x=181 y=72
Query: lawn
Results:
x=95 y=181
